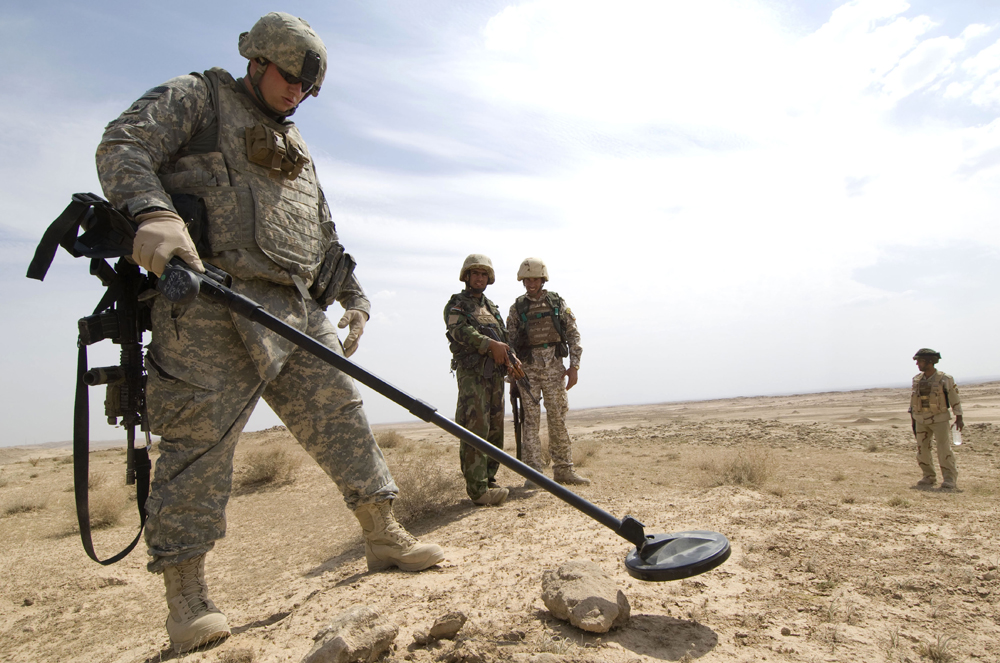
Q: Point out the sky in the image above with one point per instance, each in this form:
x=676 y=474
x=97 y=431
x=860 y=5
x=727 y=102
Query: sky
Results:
x=735 y=197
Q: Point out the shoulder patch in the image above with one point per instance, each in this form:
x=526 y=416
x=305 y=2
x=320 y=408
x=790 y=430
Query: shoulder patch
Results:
x=151 y=95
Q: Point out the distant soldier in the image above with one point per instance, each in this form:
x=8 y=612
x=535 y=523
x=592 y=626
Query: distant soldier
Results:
x=933 y=393
x=478 y=343
x=543 y=331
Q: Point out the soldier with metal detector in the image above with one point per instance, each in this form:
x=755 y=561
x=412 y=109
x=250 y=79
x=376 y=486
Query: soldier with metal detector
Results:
x=543 y=331
x=214 y=171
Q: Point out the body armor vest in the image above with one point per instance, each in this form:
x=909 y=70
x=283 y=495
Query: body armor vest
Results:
x=929 y=396
x=258 y=186
x=540 y=326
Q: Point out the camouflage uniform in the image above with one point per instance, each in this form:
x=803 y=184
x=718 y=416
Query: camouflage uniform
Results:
x=537 y=340
x=930 y=401
x=206 y=367
x=480 y=384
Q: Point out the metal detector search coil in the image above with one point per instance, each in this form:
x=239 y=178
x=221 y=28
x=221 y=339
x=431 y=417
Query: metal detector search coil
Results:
x=676 y=556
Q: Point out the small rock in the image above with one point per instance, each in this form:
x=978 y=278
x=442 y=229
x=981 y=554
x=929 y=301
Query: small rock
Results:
x=29 y=601
x=585 y=596
x=356 y=635
x=989 y=575
x=785 y=630
x=448 y=626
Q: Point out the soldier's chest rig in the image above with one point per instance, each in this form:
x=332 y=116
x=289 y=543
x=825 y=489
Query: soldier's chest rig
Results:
x=929 y=395
x=481 y=315
x=254 y=184
x=540 y=326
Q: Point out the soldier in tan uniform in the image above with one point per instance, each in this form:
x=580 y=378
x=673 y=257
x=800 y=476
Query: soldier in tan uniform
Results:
x=543 y=332
x=933 y=394
x=222 y=152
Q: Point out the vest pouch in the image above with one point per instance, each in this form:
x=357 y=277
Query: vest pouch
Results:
x=562 y=350
x=277 y=152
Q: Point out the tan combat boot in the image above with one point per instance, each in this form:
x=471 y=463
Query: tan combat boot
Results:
x=193 y=620
x=388 y=544
x=564 y=474
x=927 y=481
x=492 y=497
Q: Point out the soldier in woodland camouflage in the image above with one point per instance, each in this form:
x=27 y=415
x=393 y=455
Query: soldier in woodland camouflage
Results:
x=543 y=331
x=933 y=394
x=480 y=363
x=228 y=145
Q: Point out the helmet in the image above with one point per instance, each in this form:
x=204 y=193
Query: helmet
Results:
x=927 y=352
x=480 y=261
x=290 y=43
x=532 y=268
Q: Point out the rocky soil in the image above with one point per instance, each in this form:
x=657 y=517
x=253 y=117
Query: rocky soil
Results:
x=837 y=554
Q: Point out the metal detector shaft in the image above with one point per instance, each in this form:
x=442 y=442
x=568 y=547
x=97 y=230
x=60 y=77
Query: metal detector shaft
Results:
x=180 y=284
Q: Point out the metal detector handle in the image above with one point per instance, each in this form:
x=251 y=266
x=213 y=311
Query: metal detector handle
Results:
x=182 y=285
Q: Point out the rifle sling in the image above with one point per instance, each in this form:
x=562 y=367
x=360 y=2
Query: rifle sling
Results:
x=81 y=467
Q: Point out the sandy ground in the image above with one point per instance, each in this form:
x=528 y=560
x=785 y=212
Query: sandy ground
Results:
x=837 y=554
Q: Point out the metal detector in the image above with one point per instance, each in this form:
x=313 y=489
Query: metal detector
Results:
x=656 y=557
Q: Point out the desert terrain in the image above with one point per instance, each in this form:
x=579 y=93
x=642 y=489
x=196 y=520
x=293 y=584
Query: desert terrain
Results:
x=836 y=554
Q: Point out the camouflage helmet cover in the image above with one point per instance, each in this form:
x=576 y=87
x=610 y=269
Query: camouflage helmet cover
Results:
x=927 y=352
x=532 y=268
x=290 y=43
x=477 y=260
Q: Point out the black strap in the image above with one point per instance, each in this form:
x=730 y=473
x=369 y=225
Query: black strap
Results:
x=66 y=222
x=81 y=467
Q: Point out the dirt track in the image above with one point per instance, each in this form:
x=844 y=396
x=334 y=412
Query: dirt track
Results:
x=837 y=555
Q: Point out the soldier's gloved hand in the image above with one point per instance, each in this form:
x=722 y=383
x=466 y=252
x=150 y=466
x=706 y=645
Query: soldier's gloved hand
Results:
x=162 y=235
x=356 y=319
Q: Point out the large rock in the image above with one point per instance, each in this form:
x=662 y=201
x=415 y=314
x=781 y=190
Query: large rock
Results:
x=357 y=635
x=582 y=594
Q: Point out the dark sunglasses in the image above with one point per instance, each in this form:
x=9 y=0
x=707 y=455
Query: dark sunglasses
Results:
x=295 y=80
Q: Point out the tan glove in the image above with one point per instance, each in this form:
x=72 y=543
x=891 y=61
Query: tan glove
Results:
x=356 y=319
x=162 y=235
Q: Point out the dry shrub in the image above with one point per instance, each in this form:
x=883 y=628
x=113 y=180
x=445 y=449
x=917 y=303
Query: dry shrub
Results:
x=240 y=655
x=264 y=468
x=938 y=651
x=108 y=507
x=390 y=439
x=427 y=481
x=752 y=466
x=34 y=461
x=585 y=451
x=899 y=501
x=3 y=479
x=23 y=503
x=96 y=480
x=65 y=460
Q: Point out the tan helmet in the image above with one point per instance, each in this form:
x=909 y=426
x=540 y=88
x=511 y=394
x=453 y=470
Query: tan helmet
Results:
x=480 y=261
x=927 y=352
x=532 y=268
x=290 y=43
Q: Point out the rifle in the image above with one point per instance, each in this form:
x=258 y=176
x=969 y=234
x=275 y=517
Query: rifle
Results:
x=523 y=383
x=515 y=394
x=119 y=317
